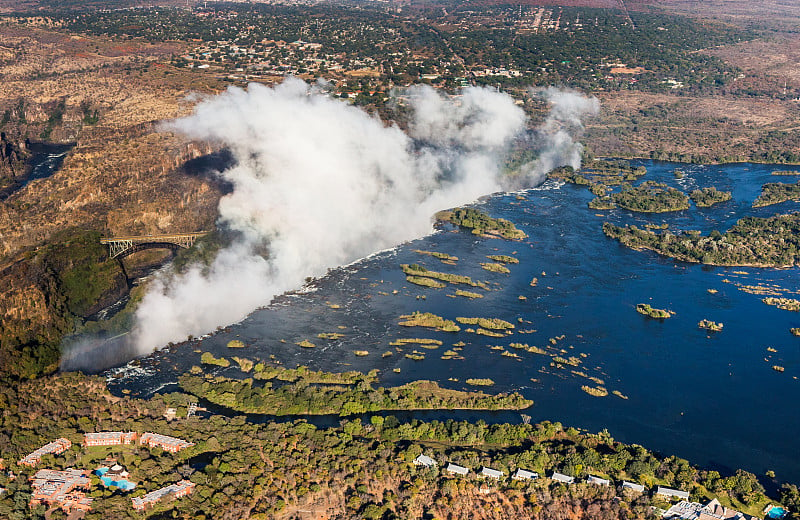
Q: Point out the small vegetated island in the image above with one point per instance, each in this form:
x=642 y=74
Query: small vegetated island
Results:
x=777 y=192
x=350 y=393
x=599 y=173
x=648 y=197
x=420 y=275
x=707 y=197
x=752 y=241
x=652 y=312
x=481 y=224
x=710 y=326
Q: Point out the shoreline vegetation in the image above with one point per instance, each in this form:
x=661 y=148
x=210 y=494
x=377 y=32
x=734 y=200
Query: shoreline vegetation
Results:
x=480 y=223
x=707 y=197
x=751 y=242
x=237 y=464
x=777 y=192
x=648 y=197
x=319 y=393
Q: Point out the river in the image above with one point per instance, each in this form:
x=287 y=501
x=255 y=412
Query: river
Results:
x=712 y=398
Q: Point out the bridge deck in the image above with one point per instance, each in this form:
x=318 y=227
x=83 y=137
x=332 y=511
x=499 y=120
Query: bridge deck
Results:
x=125 y=245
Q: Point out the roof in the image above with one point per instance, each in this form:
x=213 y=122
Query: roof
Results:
x=455 y=468
x=597 y=480
x=57 y=446
x=164 y=440
x=524 y=474
x=158 y=494
x=424 y=460
x=54 y=485
x=489 y=472
x=562 y=478
x=632 y=486
x=672 y=492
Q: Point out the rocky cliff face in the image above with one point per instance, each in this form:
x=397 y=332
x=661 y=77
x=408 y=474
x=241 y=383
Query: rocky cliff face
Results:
x=13 y=154
x=124 y=175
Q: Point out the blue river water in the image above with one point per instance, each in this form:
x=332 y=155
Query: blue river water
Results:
x=713 y=398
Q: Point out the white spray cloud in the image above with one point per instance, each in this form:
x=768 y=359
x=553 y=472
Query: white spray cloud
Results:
x=556 y=138
x=323 y=183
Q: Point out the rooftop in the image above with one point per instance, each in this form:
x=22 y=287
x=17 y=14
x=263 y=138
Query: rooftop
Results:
x=424 y=460
x=672 y=492
x=493 y=473
x=523 y=474
x=632 y=486
x=562 y=478
x=455 y=468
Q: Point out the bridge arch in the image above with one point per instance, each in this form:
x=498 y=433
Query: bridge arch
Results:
x=120 y=247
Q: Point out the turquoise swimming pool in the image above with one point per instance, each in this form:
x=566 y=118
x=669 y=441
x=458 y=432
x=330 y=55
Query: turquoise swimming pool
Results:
x=776 y=512
x=123 y=484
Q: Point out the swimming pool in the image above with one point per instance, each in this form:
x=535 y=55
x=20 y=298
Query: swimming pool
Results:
x=123 y=484
x=776 y=512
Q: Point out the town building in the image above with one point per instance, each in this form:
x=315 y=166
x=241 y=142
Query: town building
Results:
x=491 y=473
x=424 y=460
x=61 y=489
x=165 y=442
x=177 y=490
x=109 y=438
x=560 y=477
x=597 y=481
x=632 y=486
x=672 y=493
x=523 y=474
x=713 y=510
x=54 y=448
x=455 y=468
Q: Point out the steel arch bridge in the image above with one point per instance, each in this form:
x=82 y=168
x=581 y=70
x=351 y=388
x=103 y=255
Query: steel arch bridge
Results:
x=120 y=247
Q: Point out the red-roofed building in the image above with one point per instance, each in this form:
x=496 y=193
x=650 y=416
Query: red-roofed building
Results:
x=177 y=490
x=54 y=448
x=165 y=442
x=109 y=438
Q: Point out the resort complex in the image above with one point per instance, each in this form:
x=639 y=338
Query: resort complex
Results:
x=66 y=489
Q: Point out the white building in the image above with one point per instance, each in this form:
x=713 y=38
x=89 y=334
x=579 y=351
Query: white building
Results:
x=424 y=460
x=455 y=468
x=523 y=474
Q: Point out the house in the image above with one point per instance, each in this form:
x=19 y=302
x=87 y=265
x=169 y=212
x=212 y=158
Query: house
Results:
x=165 y=442
x=60 y=489
x=597 y=481
x=109 y=438
x=523 y=474
x=424 y=460
x=672 y=493
x=713 y=510
x=55 y=447
x=180 y=489
x=560 y=477
x=455 y=468
x=491 y=473
x=632 y=486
